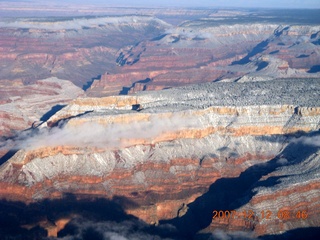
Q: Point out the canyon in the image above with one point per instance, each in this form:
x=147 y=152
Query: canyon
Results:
x=125 y=54
x=24 y=107
x=203 y=52
x=174 y=149
x=143 y=125
x=77 y=49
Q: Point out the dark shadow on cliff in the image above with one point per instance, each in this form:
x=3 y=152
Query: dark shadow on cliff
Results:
x=257 y=49
x=85 y=214
x=51 y=112
x=60 y=123
x=284 y=137
x=262 y=65
x=232 y=193
x=7 y=156
x=125 y=90
x=86 y=86
x=314 y=69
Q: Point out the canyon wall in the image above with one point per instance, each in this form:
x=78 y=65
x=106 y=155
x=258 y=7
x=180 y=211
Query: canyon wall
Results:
x=22 y=106
x=169 y=151
x=203 y=51
x=75 y=48
x=228 y=144
x=127 y=54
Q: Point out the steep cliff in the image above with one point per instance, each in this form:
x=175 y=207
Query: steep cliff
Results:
x=175 y=155
x=74 y=48
x=204 y=51
x=24 y=105
x=137 y=53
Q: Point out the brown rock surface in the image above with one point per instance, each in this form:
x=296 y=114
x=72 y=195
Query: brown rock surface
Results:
x=78 y=49
x=137 y=53
x=193 y=54
x=169 y=158
x=26 y=106
x=23 y=105
x=283 y=206
x=167 y=163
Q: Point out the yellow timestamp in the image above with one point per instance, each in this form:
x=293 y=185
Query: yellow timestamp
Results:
x=264 y=214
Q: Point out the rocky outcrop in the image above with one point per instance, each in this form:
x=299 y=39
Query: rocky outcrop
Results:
x=137 y=53
x=285 y=198
x=28 y=106
x=162 y=150
x=203 y=52
x=176 y=162
x=78 y=49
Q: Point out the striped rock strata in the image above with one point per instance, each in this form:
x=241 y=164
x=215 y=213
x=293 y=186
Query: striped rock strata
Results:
x=163 y=150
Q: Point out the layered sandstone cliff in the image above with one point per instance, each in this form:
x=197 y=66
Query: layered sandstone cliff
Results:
x=138 y=53
x=74 y=48
x=206 y=51
x=22 y=105
x=171 y=153
x=25 y=107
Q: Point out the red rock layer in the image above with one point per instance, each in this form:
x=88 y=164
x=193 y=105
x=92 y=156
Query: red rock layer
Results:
x=160 y=184
x=276 y=212
x=23 y=106
x=178 y=59
x=32 y=50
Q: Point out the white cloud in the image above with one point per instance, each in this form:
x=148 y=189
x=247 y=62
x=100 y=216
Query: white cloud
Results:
x=219 y=234
x=92 y=134
x=109 y=230
x=282 y=161
x=311 y=141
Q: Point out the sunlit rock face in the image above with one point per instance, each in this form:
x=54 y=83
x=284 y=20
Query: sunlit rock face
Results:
x=170 y=152
x=23 y=106
x=204 y=51
x=127 y=54
x=74 y=48
x=237 y=130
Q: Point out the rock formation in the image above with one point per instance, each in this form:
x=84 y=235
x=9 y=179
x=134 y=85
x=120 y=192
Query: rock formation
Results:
x=78 y=49
x=28 y=106
x=227 y=145
x=166 y=154
x=204 y=52
x=137 y=53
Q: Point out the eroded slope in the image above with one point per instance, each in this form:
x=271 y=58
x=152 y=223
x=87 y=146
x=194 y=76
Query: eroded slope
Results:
x=169 y=151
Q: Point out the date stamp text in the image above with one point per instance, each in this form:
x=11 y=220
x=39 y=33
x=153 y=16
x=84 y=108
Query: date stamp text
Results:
x=265 y=214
